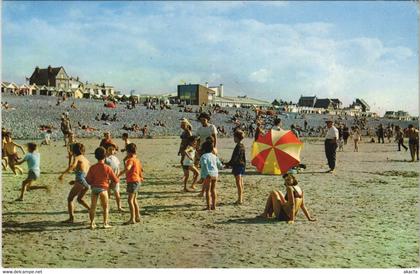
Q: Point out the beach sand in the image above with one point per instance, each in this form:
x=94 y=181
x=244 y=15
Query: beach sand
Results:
x=367 y=216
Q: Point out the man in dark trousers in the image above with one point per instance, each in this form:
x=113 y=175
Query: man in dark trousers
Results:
x=331 y=145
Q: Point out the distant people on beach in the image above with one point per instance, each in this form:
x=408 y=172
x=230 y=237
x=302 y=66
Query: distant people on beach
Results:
x=380 y=134
x=65 y=128
x=286 y=207
x=356 y=136
x=399 y=138
x=413 y=142
x=331 y=145
x=107 y=141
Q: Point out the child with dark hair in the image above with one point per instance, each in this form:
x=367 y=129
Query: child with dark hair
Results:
x=11 y=153
x=126 y=141
x=33 y=160
x=80 y=166
x=209 y=172
x=98 y=177
x=188 y=162
x=237 y=162
x=134 y=176
x=114 y=163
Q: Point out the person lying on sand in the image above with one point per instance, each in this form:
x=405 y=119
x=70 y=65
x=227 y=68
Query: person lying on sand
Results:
x=286 y=207
x=80 y=186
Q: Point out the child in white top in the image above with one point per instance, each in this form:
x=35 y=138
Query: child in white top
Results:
x=188 y=162
x=112 y=161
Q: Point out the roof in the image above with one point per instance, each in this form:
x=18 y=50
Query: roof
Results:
x=363 y=102
x=323 y=103
x=240 y=100
x=336 y=101
x=307 y=101
x=41 y=76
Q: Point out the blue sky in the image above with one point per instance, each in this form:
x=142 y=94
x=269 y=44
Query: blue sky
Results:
x=263 y=49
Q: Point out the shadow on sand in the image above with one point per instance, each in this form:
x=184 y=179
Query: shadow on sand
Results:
x=40 y=226
x=246 y=221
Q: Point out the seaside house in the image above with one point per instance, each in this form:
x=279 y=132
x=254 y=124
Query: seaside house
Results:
x=307 y=101
x=92 y=90
x=195 y=94
x=362 y=103
x=240 y=101
x=398 y=115
x=51 y=77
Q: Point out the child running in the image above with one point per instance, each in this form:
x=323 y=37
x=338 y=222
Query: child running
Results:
x=98 y=177
x=209 y=172
x=80 y=166
x=33 y=160
x=114 y=163
x=134 y=176
x=10 y=150
x=237 y=162
x=188 y=162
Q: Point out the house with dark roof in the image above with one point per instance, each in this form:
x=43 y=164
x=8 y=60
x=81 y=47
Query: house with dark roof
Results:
x=363 y=104
x=50 y=77
x=337 y=103
x=324 y=103
x=307 y=101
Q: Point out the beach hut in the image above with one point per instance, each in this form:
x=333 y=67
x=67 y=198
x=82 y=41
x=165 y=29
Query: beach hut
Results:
x=12 y=88
x=43 y=90
x=52 y=91
x=33 y=89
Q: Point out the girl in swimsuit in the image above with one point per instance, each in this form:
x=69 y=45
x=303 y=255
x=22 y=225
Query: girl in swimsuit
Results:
x=285 y=207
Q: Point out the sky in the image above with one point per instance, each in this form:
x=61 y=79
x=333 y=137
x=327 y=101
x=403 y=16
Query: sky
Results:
x=266 y=50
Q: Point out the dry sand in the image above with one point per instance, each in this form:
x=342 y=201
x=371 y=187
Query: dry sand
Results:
x=367 y=216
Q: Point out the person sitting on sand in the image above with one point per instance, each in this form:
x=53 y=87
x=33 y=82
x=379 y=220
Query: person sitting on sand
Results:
x=286 y=207
x=11 y=153
x=98 y=177
x=33 y=160
x=134 y=176
x=80 y=166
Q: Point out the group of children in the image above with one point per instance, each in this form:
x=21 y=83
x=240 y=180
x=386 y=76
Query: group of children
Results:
x=210 y=164
x=100 y=178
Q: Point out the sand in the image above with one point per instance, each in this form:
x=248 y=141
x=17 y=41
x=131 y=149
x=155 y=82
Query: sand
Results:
x=367 y=216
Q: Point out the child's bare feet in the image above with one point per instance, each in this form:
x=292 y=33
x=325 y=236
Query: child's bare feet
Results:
x=193 y=186
x=238 y=203
x=121 y=210
x=68 y=221
x=92 y=226
x=213 y=207
x=129 y=222
x=138 y=219
x=201 y=194
x=107 y=226
x=19 y=199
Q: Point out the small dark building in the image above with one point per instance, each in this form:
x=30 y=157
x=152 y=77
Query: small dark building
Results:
x=324 y=103
x=195 y=94
x=50 y=77
x=337 y=103
x=363 y=104
x=307 y=101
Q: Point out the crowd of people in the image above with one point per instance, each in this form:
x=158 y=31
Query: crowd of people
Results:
x=198 y=153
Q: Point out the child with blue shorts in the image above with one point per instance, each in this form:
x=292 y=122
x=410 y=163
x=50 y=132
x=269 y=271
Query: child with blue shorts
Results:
x=238 y=162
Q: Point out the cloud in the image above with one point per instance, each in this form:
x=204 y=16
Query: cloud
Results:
x=151 y=48
x=260 y=76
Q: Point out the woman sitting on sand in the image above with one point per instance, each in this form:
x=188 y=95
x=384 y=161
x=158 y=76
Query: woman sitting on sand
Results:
x=286 y=207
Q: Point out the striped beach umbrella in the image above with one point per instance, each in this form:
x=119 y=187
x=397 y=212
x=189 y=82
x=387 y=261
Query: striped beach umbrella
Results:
x=276 y=152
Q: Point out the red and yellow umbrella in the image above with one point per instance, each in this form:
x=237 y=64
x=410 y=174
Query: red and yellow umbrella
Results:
x=276 y=152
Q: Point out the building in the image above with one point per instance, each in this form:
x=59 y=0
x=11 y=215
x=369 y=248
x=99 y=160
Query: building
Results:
x=362 y=103
x=50 y=77
x=399 y=115
x=195 y=94
x=92 y=90
x=217 y=89
x=307 y=101
x=240 y=101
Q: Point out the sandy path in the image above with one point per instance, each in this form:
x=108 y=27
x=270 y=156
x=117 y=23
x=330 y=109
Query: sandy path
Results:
x=367 y=216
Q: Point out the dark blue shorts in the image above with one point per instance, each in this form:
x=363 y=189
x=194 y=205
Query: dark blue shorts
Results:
x=238 y=170
x=132 y=187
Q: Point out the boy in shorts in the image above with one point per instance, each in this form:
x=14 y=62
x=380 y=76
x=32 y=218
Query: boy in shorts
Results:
x=238 y=162
x=98 y=177
x=33 y=160
x=112 y=161
x=134 y=176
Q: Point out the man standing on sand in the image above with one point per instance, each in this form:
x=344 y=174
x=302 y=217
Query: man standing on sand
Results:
x=331 y=145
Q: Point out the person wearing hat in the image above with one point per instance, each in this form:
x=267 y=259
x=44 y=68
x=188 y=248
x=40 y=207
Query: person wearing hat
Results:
x=206 y=130
x=331 y=144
